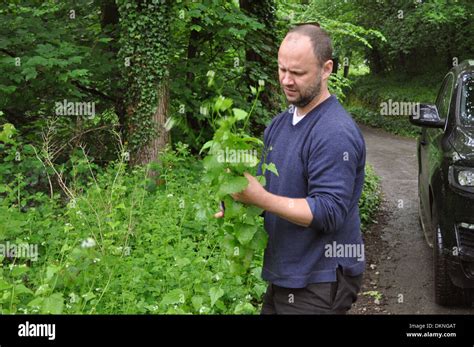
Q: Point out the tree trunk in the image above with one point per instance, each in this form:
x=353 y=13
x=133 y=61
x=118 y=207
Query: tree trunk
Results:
x=145 y=45
x=151 y=152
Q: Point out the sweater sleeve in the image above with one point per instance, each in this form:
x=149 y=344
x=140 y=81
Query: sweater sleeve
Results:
x=331 y=169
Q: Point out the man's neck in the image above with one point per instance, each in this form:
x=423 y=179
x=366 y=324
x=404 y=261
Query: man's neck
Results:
x=315 y=102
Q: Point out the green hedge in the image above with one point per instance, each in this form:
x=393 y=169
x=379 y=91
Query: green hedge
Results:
x=370 y=197
x=368 y=92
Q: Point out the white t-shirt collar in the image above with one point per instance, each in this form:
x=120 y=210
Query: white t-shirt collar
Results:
x=296 y=117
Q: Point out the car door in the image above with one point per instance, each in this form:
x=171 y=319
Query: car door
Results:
x=431 y=152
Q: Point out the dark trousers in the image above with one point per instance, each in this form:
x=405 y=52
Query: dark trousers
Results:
x=317 y=298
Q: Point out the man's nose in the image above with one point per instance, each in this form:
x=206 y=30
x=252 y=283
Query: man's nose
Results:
x=287 y=80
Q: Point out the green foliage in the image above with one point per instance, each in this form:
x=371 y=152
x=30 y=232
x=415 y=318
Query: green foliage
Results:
x=50 y=52
x=421 y=36
x=370 y=198
x=112 y=239
x=213 y=37
x=144 y=51
x=126 y=244
x=394 y=124
x=345 y=34
x=242 y=227
x=368 y=92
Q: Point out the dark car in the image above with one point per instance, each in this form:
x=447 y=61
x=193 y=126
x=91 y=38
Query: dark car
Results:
x=445 y=154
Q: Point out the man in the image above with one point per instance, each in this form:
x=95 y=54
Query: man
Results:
x=314 y=258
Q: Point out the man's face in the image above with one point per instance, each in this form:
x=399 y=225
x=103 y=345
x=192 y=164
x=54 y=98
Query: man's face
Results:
x=298 y=69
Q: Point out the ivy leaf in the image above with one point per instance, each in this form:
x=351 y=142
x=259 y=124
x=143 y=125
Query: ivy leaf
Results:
x=215 y=294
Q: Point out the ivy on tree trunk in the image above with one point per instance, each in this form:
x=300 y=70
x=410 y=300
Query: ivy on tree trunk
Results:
x=144 y=53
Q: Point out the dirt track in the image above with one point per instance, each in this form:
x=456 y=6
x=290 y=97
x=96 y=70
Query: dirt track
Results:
x=400 y=266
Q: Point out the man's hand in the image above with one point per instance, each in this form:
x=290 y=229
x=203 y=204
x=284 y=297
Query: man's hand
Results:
x=253 y=194
x=292 y=209
x=220 y=214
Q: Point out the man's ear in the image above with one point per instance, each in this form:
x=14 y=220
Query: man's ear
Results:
x=327 y=69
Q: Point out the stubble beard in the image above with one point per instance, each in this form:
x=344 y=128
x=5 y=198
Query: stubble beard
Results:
x=308 y=94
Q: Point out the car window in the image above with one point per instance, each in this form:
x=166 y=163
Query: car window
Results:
x=444 y=97
x=467 y=101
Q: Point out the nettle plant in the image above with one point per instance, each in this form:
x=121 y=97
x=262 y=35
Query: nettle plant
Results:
x=231 y=153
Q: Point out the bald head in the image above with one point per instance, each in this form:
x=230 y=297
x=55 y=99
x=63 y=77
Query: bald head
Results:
x=319 y=39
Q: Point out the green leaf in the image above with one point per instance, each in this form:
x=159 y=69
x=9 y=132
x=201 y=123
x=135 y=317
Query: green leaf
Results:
x=7 y=89
x=21 y=289
x=196 y=27
x=19 y=270
x=181 y=262
x=121 y=206
x=270 y=167
x=7 y=133
x=88 y=296
x=37 y=60
x=29 y=73
x=176 y=296
x=232 y=208
x=245 y=232
x=197 y=302
x=51 y=270
x=207 y=145
x=222 y=104
x=210 y=163
x=4 y=284
x=215 y=294
x=78 y=73
x=53 y=304
x=42 y=289
x=233 y=185
x=239 y=114
x=244 y=308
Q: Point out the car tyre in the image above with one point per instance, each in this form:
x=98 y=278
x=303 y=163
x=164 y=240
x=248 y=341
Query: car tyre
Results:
x=446 y=293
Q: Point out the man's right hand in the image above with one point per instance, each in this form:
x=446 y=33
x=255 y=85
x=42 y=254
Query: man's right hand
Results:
x=220 y=214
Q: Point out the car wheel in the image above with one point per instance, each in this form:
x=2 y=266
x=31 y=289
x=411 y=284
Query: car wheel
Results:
x=446 y=293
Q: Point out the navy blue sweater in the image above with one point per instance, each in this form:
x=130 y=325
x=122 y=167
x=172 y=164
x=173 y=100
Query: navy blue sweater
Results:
x=322 y=159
